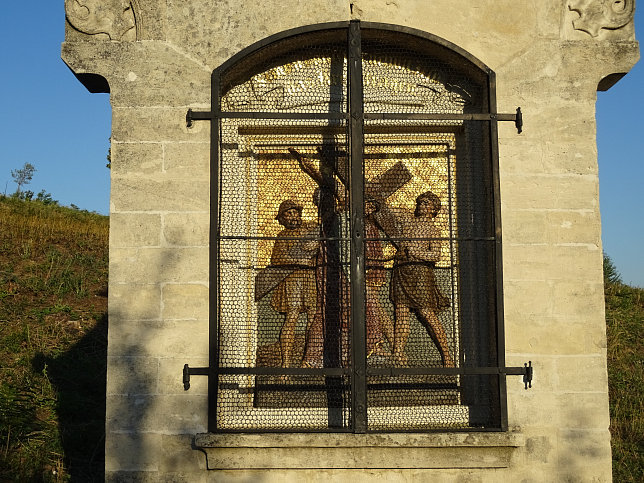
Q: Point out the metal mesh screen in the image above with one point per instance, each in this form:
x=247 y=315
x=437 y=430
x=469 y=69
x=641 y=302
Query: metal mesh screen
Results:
x=286 y=238
x=404 y=75
x=305 y=73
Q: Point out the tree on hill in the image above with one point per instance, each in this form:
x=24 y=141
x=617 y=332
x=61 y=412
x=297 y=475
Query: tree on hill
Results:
x=23 y=176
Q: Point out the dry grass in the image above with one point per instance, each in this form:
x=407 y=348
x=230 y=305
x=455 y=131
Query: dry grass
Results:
x=53 y=287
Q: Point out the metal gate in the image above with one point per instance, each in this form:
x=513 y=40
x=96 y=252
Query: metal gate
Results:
x=355 y=236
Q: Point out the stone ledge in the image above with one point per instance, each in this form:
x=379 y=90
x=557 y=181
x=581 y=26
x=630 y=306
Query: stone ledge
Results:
x=391 y=450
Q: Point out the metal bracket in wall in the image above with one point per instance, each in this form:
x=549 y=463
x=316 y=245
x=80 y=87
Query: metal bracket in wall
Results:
x=518 y=122
x=525 y=371
x=197 y=116
x=517 y=118
x=192 y=371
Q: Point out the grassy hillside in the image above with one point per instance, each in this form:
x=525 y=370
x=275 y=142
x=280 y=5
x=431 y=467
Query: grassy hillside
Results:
x=625 y=334
x=53 y=288
x=53 y=301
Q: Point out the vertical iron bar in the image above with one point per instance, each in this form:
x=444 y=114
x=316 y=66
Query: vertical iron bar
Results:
x=358 y=305
x=450 y=212
x=498 y=280
x=331 y=248
x=213 y=330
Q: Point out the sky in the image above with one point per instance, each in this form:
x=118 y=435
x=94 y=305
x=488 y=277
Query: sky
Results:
x=48 y=119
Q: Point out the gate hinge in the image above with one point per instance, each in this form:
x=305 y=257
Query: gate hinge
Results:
x=525 y=371
x=192 y=371
x=518 y=122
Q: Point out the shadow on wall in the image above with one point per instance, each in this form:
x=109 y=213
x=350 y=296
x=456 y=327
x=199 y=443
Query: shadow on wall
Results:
x=79 y=377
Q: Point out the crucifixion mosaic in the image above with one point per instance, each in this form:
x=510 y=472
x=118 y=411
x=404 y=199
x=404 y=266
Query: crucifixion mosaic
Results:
x=355 y=238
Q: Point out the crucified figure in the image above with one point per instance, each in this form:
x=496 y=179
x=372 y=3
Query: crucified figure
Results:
x=332 y=283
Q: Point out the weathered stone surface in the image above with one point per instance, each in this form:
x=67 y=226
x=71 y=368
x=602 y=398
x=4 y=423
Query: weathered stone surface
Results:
x=154 y=477
x=580 y=455
x=583 y=373
x=156 y=124
x=159 y=194
x=168 y=414
x=180 y=456
x=601 y=20
x=132 y=452
x=127 y=337
x=136 y=159
x=555 y=192
x=577 y=301
x=135 y=302
x=186 y=338
x=131 y=414
x=132 y=375
x=135 y=230
x=531 y=156
x=547 y=262
x=187 y=160
x=529 y=410
x=184 y=413
x=159 y=265
x=359 y=451
x=583 y=410
x=186 y=229
x=134 y=83
x=185 y=302
x=533 y=334
x=358 y=475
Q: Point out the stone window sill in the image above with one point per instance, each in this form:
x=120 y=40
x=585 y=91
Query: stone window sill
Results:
x=382 y=450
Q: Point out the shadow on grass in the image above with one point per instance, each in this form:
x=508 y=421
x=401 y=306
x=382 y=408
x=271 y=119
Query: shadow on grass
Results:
x=79 y=376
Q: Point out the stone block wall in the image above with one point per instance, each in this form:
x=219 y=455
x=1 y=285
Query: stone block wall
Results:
x=549 y=58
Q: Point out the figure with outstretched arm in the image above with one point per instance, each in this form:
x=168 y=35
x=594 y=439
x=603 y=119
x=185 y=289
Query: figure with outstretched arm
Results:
x=296 y=293
x=413 y=283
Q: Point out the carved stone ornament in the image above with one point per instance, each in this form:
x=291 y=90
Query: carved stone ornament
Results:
x=115 y=19
x=595 y=15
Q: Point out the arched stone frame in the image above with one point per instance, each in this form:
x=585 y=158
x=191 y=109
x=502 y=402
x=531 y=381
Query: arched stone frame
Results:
x=476 y=277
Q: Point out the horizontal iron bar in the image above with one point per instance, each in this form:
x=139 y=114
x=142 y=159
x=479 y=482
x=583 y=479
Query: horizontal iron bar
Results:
x=526 y=372
x=290 y=387
x=198 y=371
x=302 y=238
x=282 y=115
x=376 y=371
x=376 y=263
x=291 y=430
x=192 y=116
x=457 y=239
x=449 y=371
x=439 y=116
x=285 y=371
x=444 y=116
x=298 y=129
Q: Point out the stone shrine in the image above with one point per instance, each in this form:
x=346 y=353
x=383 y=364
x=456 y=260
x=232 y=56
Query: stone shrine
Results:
x=309 y=278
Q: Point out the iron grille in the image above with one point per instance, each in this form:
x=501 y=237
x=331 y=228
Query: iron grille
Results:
x=355 y=236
